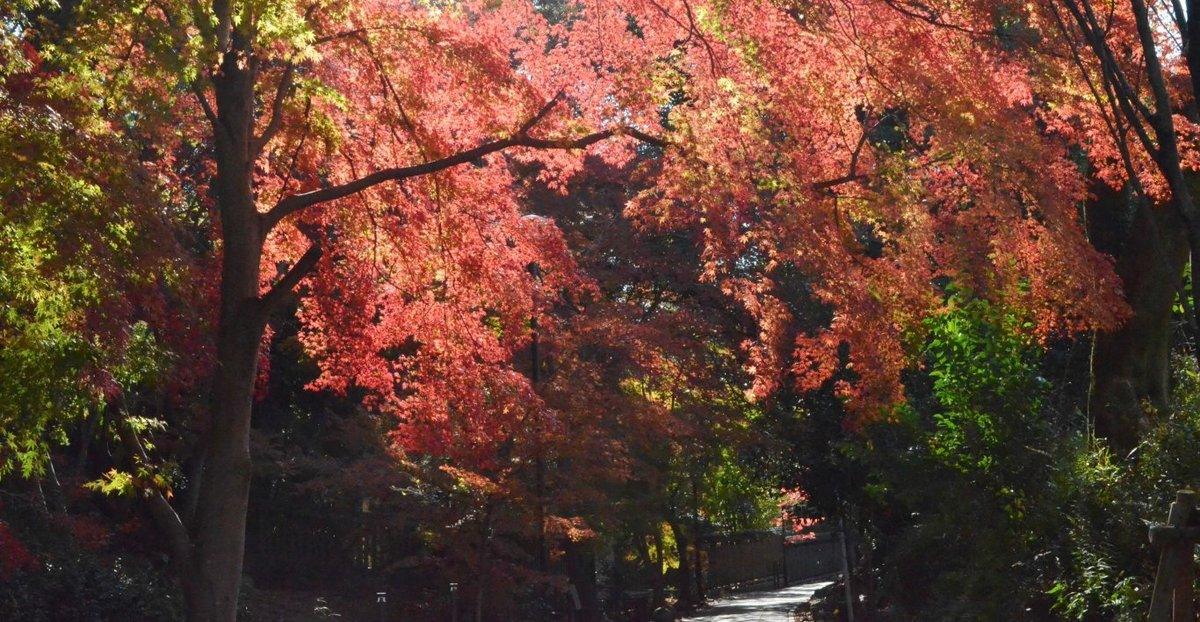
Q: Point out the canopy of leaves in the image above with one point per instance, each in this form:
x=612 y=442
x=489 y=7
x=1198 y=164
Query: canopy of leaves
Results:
x=82 y=257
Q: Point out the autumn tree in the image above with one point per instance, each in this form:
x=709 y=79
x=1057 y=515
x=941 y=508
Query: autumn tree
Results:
x=1116 y=84
x=1135 y=77
x=335 y=130
x=362 y=154
x=883 y=165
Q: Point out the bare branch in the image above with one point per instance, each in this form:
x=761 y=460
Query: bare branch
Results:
x=833 y=183
x=1114 y=122
x=643 y=137
x=1126 y=97
x=693 y=32
x=1179 y=16
x=357 y=32
x=286 y=178
x=1097 y=38
x=712 y=56
x=1164 y=126
x=933 y=18
x=853 y=175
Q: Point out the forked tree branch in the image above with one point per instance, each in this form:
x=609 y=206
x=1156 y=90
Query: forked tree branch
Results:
x=541 y=114
x=282 y=93
x=1096 y=35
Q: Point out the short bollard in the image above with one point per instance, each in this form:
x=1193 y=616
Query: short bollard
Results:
x=453 y=602
x=381 y=602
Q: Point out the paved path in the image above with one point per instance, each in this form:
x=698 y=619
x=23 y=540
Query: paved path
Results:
x=770 y=606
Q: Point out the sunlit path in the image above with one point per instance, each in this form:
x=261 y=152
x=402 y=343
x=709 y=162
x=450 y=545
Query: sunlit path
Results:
x=770 y=606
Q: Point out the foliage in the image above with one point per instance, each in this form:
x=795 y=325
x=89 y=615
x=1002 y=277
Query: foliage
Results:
x=980 y=501
x=959 y=486
x=80 y=258
x=739 y=498
x=1112 y=567
x=76 y=569
x=787 y=188
x=985 y=380
x=83 y=587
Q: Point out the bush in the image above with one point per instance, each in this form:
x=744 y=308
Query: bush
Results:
x=62 y=578
x=1110 y=564
x=983 y=503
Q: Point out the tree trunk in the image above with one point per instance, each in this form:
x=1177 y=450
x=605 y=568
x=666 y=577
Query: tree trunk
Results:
x=683 y=578
x=698 y=565
x=1131 y=366
x=658 y=586
x=219 y=528
x=1134 y=363
x=581 y=571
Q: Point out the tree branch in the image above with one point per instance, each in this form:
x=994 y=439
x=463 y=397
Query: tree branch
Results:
x=282 y=92
x=1114 y=123
x=933 y=18
x=204 y=105
x=1096 y=37
x=541 y=114
x=1124 y=96
x=297 y=202
x=160 y=509
x=832 y=183
x=224 y=32
x=357 y=32
x=853 y=175
x=641 y=136
x=284 y=286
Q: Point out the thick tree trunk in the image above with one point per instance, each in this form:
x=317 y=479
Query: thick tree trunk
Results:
x=219 y=527
x=683 y=579
x=581 y=570
x=1131 y=366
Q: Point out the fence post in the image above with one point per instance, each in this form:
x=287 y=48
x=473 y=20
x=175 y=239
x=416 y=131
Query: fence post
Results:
x=1172 y=598
x=846 y=570
x=783 y=546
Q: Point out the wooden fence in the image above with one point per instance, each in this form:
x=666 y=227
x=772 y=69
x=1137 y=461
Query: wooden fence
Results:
x=766 y=556
x=313 y=546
